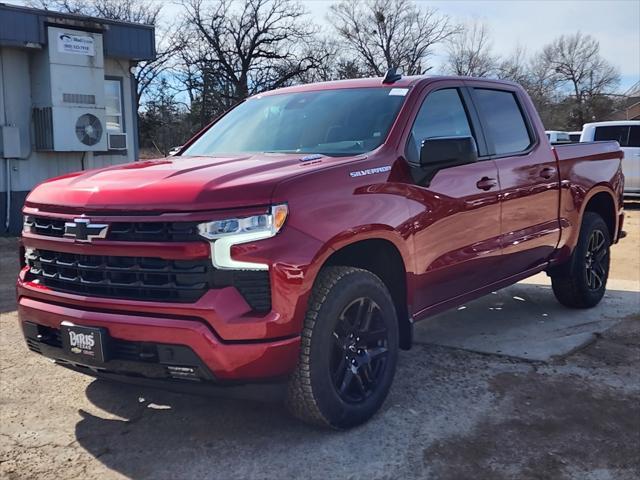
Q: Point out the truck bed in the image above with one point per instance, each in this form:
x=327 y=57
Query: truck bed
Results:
x=586 y=150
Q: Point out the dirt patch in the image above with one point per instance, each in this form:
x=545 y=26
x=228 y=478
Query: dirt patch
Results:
x=625 y=256
x=547 y=428
x=616 y=347
x=554 y=422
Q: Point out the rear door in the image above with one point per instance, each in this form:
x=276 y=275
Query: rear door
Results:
x=529 y=182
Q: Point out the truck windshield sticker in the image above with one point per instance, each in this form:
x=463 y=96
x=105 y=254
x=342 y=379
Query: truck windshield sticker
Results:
x=370 y=171
x=398 y=92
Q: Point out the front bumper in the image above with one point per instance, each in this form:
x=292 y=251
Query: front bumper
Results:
x=232 y=340
x=218 y=361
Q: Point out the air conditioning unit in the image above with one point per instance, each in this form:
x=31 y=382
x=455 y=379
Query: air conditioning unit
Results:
x=69 y=129
x=117 y=141
x=68 y=92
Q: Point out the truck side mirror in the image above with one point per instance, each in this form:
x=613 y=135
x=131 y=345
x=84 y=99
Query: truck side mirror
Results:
x=443 y=152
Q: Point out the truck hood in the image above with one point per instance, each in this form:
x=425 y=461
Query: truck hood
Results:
x=175 y=184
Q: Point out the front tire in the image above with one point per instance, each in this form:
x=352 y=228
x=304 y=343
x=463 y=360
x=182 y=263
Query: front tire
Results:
x=583 y=281
x=349 y=350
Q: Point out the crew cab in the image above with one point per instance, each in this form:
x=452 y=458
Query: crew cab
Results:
x=300 y=236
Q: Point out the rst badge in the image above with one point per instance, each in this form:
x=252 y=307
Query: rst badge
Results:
x=82 y=230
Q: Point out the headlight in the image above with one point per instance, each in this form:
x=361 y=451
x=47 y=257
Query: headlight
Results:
x=224 y=234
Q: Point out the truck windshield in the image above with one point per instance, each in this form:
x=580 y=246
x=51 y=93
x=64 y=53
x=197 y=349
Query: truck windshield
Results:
x=339 y=122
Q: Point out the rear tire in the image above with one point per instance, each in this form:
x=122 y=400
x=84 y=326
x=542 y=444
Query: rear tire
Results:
x=349 y=350
x=582 y=282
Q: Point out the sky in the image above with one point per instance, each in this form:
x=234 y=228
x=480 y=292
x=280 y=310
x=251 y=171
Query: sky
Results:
x=533 y=24
x=529 y=23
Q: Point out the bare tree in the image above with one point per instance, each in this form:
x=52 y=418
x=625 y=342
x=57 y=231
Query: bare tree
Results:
x=390 y=33
x=469 y=52
x=575 y=61
x=514 y=67
x=255 y=46
x=138 y=11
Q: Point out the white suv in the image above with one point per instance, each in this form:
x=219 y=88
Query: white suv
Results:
x=627 y=134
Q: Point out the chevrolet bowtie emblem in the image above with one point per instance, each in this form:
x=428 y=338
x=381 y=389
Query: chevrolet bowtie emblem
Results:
x=84 y=231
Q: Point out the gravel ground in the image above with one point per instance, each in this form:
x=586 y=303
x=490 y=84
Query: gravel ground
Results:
x=452 y=414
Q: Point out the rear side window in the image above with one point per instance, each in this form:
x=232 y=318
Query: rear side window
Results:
x=634 y=136
x=503 y=120
x=442 y=114
x=619 y=133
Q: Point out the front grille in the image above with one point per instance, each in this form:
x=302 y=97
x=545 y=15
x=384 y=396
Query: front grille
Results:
x=136 y=278
x=154 y=231
x=123 y=231
x=143 y=278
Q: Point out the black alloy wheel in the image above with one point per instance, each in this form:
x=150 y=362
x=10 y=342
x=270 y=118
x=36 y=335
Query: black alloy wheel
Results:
x=596 y=260
x=360 y=350
x=349 y=349
x=581 y=281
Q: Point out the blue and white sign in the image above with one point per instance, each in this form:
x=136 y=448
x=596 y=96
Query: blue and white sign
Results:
x=76 y=44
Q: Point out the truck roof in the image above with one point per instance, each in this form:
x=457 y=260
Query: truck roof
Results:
x=404 y=82
x=612 y=123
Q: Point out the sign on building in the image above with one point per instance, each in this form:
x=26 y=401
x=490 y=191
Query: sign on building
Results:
x=76 y=44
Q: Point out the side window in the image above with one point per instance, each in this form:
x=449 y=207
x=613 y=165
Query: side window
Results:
x=619 y=133
x=634 y=136
x=503 y=120
x=442 y=114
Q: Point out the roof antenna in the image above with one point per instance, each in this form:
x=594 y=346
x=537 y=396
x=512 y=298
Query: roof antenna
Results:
x=391 y=76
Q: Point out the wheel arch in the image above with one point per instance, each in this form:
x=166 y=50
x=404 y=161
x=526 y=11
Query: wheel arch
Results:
x=602 y=202
x=382 y=257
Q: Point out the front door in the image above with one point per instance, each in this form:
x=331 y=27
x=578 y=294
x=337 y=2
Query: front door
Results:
x=456 y=214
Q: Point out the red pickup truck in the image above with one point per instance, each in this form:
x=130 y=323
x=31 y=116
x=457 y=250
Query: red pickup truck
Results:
x=301 y=235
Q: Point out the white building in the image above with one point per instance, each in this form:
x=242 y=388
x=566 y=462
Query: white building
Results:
x=67 y=98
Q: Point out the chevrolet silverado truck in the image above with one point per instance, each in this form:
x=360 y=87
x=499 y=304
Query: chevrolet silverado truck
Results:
x=299 y=237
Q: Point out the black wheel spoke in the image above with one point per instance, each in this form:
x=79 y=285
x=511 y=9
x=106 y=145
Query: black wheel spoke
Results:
x=363 y=320
x=367 y=375
x=338 y=341
x=377 y=353
x=339 y=371
x=346 y=381
x=596 y=260
x=597 y=279
x=361 y=340
x=373 y=336
x=359 y=382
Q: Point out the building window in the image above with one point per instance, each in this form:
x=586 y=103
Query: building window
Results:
x=114 y=106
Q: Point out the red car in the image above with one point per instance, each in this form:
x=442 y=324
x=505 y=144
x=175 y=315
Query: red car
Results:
x=301 y=235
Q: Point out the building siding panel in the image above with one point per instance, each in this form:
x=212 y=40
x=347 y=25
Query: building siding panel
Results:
x=24 y=26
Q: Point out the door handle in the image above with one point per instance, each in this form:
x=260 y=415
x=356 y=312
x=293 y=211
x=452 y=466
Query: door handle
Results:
x=548 y=172
x=486 y=183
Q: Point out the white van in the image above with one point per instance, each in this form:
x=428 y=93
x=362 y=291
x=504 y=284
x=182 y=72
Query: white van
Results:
x=627 y=134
